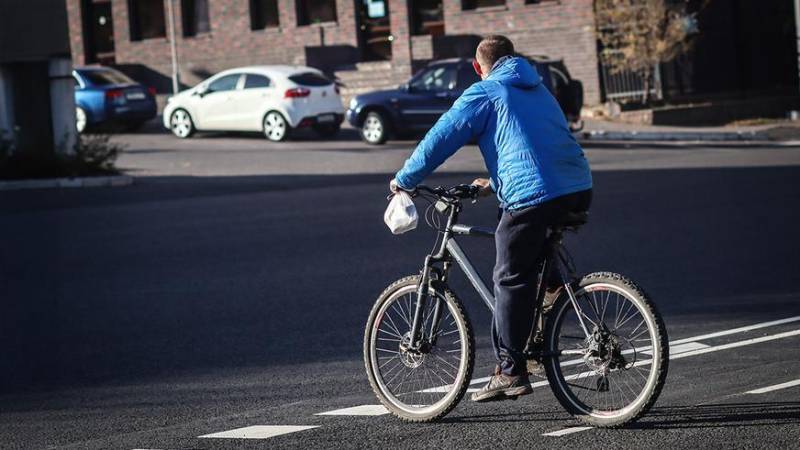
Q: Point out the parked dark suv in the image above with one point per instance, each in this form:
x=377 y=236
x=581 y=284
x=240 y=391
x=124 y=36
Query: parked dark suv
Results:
x=416 y=105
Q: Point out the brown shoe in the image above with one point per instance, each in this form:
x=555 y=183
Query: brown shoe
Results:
x=503 y=387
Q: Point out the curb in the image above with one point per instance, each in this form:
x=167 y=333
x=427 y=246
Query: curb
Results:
x=50 y=183
x=602 y=135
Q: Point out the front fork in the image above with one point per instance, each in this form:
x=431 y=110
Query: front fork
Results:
x=418 y=341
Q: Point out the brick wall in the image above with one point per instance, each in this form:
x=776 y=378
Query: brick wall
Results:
x=556 y=28
x=230 y=42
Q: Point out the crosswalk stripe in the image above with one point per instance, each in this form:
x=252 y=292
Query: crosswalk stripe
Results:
x=775 y=387
x=363 y=410
x=258 y=432
x=567 y=431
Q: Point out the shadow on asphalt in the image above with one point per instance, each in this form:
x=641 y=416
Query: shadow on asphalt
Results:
x=677 y=145
x=348 y=134
x=526 y=416
x=187 y=274
x=669 y=417
x=719 y=415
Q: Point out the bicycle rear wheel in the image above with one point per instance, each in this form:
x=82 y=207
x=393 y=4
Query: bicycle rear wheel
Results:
x=616 y=374
x=425 y=384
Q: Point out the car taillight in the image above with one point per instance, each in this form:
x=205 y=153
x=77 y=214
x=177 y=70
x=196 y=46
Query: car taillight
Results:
x=114 y=94
x=296 y=93
x=116 y=97
x=152 y=91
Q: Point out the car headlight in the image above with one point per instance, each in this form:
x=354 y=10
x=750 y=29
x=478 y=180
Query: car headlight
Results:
x=353 y=103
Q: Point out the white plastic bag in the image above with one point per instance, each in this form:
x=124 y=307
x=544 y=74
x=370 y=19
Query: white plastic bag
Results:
x=401 y=214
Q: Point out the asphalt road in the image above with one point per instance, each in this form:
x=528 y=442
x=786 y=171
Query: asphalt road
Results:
x=229 y=287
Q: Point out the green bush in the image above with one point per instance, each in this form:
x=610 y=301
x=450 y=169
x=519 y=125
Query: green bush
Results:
x=91 y=155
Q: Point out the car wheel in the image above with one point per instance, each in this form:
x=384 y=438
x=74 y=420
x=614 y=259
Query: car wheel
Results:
x=374 y=130
x=181 y=124
x=80 y=119
x=327 y=131
x=276 y=128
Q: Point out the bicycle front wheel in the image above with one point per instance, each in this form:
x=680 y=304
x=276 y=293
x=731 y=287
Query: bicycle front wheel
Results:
x=608 y=363
x=423 y=384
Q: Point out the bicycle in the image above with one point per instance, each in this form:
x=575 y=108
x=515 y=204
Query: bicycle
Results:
x=419 y=347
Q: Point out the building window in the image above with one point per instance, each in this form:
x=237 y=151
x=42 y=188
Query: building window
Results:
x=533 y=2
x=146 y=19
x=195 y=17
x=263 y=14
x=427 y=17
x=475 y=4
x=315 y=11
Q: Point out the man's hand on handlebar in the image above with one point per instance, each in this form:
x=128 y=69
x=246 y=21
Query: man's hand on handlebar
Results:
x=484 y=186
x=394 y=187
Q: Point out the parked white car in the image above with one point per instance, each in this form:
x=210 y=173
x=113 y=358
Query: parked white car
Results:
x=272 y=99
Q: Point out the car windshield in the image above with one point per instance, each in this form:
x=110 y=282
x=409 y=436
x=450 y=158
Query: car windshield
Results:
x=437 y=78
x=310 y=79
x=105 y=77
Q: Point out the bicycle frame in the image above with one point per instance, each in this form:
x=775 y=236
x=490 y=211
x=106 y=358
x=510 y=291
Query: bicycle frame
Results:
x=449 y=250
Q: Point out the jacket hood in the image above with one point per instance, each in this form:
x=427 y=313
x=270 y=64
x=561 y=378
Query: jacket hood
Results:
x=517 y=72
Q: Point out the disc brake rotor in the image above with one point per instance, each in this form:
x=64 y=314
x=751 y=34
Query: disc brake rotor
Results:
x=411 y=358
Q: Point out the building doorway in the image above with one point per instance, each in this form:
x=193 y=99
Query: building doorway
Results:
x=374 y=30
x=99 y=32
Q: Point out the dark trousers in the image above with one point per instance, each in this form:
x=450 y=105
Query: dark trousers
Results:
x=520 y=239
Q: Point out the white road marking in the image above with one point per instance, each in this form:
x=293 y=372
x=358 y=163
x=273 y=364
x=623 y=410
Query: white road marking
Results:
x=696 y=348
x=258 y=431
x=717 y=348
x=701 y=337
x=680 y=348
x=363 y=410
x=699 y=351
x=755 y=326
x=776 y=387
x=567 y=431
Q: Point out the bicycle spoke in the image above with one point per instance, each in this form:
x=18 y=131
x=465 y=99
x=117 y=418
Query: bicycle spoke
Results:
x=422 y=378
x=592 y=380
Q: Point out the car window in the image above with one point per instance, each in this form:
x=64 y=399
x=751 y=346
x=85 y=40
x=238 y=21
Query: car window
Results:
x=467 y=76
x=226 y=83
x=310 y=79
x=559 y=80
x=438 y=78
x=77 y=82
x=253 y=81
x=105 y=77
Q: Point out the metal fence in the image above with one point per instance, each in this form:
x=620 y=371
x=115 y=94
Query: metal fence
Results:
x=628 y=87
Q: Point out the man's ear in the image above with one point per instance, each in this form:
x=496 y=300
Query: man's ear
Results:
x=477 y=67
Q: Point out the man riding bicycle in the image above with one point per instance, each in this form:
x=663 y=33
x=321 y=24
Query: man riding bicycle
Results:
x=539 y=173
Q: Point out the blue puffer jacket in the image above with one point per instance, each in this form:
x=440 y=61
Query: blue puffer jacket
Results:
x=529 y=151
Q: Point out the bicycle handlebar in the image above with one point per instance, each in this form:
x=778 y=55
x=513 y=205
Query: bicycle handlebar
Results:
x=459 y=191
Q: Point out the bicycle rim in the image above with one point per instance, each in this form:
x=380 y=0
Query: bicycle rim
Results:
x=418 y=384
x=617 y=381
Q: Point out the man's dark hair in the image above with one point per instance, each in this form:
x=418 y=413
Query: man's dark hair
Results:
x=494 y=47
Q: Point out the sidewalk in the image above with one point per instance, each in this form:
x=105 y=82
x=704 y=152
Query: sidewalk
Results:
x=778 y=132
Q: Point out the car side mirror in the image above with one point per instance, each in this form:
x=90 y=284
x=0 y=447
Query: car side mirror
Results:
x=405 y=87
x=201 y=91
